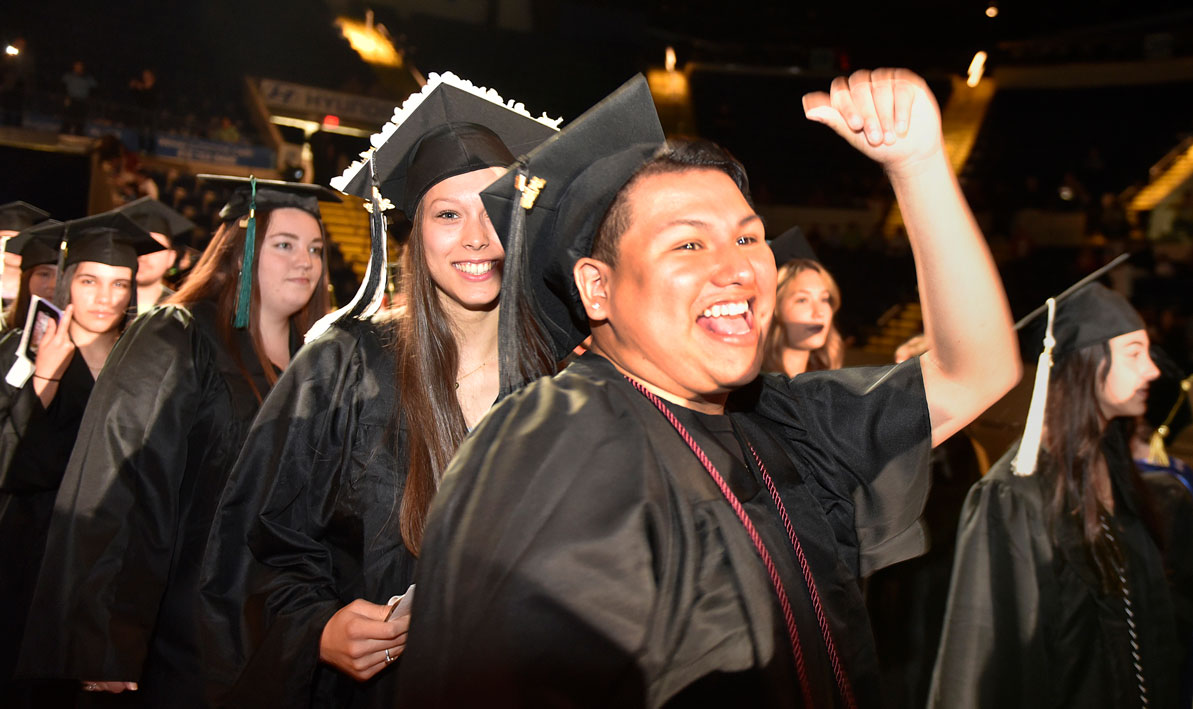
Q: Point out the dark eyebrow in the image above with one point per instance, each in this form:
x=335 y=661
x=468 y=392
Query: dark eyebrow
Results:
x=701 y=224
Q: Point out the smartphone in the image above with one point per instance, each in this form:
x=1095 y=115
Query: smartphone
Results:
x=41 y=312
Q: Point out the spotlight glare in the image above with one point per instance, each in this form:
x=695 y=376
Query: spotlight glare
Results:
x=976 y=68
x=670 y=60
x=11 y=51
x=992 y=11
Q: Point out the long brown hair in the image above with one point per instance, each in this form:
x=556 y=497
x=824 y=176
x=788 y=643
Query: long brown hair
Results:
x=1077 y=439
x=830 y=355
x=18 y=310
x=214 y=279
x=427 y=363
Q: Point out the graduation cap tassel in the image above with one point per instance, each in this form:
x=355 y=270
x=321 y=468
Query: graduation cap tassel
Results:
x=1157 y=454
x=1029 y=447
x=244 y=294
x=523 y=349
x=367 y=300
x=513 y=285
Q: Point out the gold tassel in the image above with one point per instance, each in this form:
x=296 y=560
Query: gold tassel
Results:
x=1156 y=454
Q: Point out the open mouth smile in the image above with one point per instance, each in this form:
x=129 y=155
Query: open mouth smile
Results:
x=475 y=269
x=729 y=319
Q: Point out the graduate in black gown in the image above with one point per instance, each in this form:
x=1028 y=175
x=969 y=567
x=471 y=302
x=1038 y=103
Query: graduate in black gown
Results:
x=37 y=249
x=40 y=407
x=14 y=218
x=116 y=602
x=657 y=524
x=1060 y=593
x=322 y=518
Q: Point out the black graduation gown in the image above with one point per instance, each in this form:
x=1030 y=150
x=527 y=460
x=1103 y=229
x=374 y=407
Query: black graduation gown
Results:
x=117 y=595
x=307 y=524
x=1027 y=623
x=35 y=444
x=578 y=554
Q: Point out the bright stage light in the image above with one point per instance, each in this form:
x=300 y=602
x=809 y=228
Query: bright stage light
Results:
x=992 y=10
x=11 y=51
x=372 y=46
x=976 y=68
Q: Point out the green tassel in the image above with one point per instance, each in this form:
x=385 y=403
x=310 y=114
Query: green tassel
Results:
x=244 y=294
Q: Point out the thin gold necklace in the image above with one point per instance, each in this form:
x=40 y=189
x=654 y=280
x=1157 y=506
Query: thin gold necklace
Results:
x=474 y=371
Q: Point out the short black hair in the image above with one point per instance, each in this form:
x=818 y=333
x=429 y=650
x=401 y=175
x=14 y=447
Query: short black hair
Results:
x=676 y=155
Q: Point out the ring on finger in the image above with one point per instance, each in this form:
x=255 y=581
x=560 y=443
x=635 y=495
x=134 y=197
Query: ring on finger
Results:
x=388 y=659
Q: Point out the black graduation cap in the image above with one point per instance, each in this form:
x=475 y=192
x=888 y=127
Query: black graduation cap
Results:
x=16 y=216
x=270 y=194
x=153 y=216
x=449 y=128
x=37 y=245
x=110 y=237
x=1085 y=314
x=562 y=191
x=791 y=245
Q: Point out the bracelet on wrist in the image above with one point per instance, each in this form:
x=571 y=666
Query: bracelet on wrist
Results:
x=45 y=379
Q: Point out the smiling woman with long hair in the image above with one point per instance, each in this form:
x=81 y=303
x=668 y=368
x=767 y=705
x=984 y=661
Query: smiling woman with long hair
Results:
x=802 y=337
x=323 y=518
x=117 y=595
x=39 y=417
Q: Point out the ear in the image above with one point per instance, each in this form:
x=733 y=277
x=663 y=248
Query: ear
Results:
x=592 y=280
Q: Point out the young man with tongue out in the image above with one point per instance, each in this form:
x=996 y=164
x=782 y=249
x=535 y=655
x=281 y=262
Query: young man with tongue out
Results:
x=657 y=524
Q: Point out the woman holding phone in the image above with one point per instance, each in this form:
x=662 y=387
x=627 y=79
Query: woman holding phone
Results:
x=39 y=419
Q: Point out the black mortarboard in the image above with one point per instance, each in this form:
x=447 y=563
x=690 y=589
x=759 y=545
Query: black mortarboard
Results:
x=1085 y=314
x=449 y=128
x=791 y=245
x=270 y=194
x=110 y=237
x=1090 y=315
x=16 y=216
x=562 y=191
x=153 y=216
x=37 y=245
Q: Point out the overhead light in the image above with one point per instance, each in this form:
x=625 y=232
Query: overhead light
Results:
x=976 y=68
x=992 y=10
x=11 y=51
x=370 y=43
x=669 y=62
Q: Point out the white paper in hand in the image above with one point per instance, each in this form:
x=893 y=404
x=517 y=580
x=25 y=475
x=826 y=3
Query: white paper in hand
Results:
x=400 y=605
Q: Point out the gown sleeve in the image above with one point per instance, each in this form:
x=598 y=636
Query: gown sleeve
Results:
x=110 y=545
x=862 y=441
x=269 y=580
x=993 y=648
x=537 y=578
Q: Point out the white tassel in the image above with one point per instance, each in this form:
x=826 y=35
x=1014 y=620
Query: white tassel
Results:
x=1029 y=447
x=322 y=324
